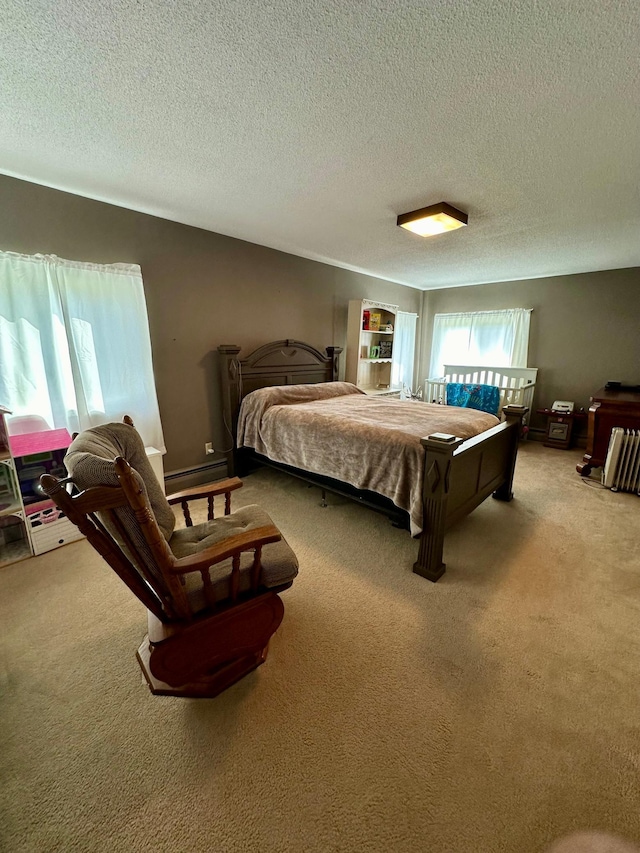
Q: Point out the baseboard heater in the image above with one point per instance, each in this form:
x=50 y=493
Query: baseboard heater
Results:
x=621 y=472
x=184 y=478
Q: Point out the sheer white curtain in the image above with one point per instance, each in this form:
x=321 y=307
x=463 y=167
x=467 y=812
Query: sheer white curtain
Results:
x=404 y=346
x=482 y=338
x=74 y=344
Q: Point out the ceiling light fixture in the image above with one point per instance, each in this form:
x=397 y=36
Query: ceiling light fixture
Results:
x=435 y=219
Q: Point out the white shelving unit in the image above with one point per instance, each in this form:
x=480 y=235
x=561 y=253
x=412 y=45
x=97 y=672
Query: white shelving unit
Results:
x=35 y=454
x=370 y=332
x=14 y=538
x=30 y=523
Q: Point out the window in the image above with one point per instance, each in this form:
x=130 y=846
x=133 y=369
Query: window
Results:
x=481 y=338
x=74 y=344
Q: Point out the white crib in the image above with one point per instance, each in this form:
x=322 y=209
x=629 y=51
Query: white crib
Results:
x=516 y=384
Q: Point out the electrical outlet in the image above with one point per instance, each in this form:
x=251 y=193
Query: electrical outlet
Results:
x=208 y=448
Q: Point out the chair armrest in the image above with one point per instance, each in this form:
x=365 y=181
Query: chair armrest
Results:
x=234 y=545
x=208 y=491
x=220 y=487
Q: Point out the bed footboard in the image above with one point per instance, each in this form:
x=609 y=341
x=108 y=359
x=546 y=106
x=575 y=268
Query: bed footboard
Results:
x=458 y=476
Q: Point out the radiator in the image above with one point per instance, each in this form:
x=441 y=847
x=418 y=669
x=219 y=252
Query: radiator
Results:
x=621 y=472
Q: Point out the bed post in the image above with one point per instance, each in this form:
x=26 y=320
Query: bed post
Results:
x=334 y=354
x=229 y=379
x=437 y=470
x=515 y=416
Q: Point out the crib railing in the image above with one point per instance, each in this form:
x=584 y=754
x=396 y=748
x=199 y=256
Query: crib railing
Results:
x=516 y=384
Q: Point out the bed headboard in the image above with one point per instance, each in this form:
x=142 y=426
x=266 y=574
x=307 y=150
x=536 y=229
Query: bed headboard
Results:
x=285 y=362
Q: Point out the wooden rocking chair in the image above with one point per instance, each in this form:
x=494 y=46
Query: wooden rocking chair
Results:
x=211 y=590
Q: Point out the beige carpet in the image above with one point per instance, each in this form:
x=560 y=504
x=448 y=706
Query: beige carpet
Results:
x=493 y=711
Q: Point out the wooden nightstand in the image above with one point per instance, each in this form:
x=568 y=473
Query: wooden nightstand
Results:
x=560 y=427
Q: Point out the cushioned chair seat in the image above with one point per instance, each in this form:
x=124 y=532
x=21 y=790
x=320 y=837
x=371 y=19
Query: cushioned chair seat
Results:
x=279 y=563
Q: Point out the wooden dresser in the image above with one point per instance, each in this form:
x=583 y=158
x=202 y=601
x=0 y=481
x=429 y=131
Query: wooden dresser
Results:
x=609 y=408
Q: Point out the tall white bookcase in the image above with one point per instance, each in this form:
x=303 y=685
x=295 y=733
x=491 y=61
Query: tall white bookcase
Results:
x=370 y=332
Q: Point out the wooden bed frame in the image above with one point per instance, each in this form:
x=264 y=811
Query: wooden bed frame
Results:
x=458 y=476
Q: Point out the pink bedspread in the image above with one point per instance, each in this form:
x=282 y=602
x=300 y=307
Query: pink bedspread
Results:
x=335 y=430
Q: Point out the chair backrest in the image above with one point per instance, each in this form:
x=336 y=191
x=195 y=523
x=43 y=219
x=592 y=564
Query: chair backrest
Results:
x=114 y=498
x=90 y=461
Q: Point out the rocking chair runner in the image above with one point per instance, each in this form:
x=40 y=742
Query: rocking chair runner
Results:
x=211 y=589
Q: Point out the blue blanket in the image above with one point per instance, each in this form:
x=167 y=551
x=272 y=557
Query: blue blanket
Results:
x=486 y=398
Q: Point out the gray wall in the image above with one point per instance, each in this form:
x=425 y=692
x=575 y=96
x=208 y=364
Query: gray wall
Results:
x=584 y=329
x=202 y=290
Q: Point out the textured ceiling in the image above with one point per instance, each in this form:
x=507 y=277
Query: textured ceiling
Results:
x=308 y=125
